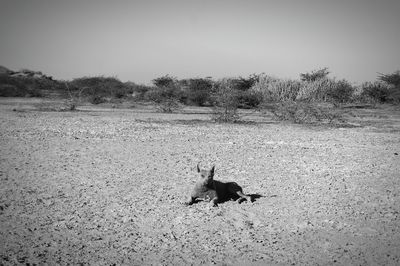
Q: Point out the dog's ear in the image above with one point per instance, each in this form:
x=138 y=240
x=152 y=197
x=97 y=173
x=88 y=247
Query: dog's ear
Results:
x=198 y=168
x=212 y=170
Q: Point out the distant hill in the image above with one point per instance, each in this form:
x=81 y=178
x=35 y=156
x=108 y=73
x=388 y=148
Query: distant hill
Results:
x=30 y=74
x=24 y=73
x=26 y=83
x=4 y=70
x=29 y=83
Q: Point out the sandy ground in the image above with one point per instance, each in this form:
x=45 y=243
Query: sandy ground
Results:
x=106 y=186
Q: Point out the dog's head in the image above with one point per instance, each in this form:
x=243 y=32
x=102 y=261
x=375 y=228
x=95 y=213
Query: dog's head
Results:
x=207 y=176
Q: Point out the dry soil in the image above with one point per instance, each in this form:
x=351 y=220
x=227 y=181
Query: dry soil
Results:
x=106 y=186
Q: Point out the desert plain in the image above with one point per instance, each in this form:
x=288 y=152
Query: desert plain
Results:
x=106 y=186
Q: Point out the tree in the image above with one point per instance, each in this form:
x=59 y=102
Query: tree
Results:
x=225 y=101
x=166 y=95
x=198 y=91
x=165 y=81
x=392 y=79
x=315 y=74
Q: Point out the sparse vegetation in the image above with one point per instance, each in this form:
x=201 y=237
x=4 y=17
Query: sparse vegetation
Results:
x=165 y=99
x=305 y=112
x=325 y=90
x=138 y=91
x=315 y=75
x=302 y=101
x=166 y=95
x=277 y=90
x=393 y=80
x=225 y=101
x=105 y=87
x=371 y=92
x=198 y=91
x=25 y=86
x=299 y=101
x=315 y=91
x=247 y=98
x=166 y=81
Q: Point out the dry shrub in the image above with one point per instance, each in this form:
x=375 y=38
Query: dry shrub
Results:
x=96 y=99
x=300 y=101
x=304 y=112
x=25 y=86
x=226 y=114
x=225 y=100
x=315 y=74
x=169 y=106
x=326 y=90
x=275 y=90
x=197 y=90
x=165 y=99
x=101 y=86
x=374 y=92
x=138 y=91
x=56 y=106
x=319 y=90
x=249 y=99
x=314 y=91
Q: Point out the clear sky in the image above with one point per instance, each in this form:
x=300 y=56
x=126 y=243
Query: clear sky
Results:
x=142 y=40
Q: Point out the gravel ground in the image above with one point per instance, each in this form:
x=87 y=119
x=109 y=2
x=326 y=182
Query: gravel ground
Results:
x=103 y=187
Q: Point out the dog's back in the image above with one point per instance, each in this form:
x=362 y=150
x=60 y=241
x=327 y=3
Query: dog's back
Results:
x=229 y=190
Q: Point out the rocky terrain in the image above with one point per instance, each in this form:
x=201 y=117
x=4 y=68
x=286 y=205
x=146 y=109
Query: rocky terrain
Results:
x=106 y=186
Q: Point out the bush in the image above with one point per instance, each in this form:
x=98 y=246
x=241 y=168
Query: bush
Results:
x=341 y=92
x=165 y=81
x=169 y=106
x=225 y=101
x=315 y=91
x=249 y=99
x=138 y=91
x=276 y=90
x=372 y=92
x=244 y=84
x=101 y=86
x=198 y=91
x=325 y=90
x=303 y=112
x=299 y=101
x=96 y=99
x=394 y=95
x=24 y=86
x=9 y=90
x=393 y=80
x=315 y=75
x=165 y=99
x=167 y=94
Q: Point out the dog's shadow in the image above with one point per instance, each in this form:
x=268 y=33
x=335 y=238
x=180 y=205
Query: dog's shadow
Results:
x=253 y=197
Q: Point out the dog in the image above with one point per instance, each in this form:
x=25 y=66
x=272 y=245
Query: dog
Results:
x=208 y=189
